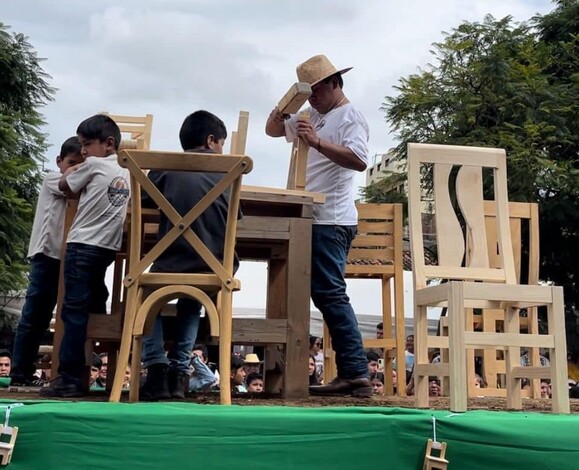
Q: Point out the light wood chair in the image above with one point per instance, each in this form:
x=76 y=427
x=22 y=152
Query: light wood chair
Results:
x=6 y=448
x=524 y=225
x=376 y=253
x=457 y=175
x=139 y=129
x=147 y=292
x=435 y=462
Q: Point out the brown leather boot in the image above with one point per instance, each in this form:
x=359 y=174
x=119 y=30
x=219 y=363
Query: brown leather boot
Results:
x=360 y=387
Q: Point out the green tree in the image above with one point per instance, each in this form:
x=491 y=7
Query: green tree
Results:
x=23 y=90
x=497 y=83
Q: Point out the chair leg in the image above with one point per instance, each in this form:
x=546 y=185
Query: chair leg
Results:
x=125 y=348
x=420 y=357
x=387 y=329
x=400 y=324
x=512 y=359
x=225 y=326
x=135 y=382
x=456 y=347
x=558 y=355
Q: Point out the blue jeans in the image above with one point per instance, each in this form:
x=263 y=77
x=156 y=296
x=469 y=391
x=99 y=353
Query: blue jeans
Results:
x=40 y=301
x=330 y=246
x=85 y=292
x=179 y=357
x=202 y=377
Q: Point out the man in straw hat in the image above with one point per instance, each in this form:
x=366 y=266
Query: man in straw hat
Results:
x=338 y=138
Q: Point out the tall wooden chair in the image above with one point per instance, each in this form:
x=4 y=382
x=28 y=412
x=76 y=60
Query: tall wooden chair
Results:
x=457 y=175
x=524 y=225
x=147 y=292
x=376 y=253
x=138 y=128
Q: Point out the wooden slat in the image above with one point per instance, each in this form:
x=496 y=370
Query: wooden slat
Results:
x=259 y=331
x=184 y=161
x=482 y=340
x=369 y=270
x=381 y=227
x=375 y=254
x=373 y=241
x=440 y=369
x=458 y=273
x=531 y=372
x=458 y=155
x=318 y=198
x=375 y=211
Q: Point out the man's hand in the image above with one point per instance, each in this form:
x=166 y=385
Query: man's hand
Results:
x=275 y=123
x=306 y=131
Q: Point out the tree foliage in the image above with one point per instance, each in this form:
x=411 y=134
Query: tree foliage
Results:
x=497 y=83
x=23 y=90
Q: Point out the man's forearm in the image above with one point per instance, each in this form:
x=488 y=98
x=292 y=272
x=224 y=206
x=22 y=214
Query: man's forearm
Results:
x=274 y=128
x=340 y=155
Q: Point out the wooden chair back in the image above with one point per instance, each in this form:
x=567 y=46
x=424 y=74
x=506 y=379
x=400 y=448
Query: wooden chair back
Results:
x=458 y=202
x=232 y=168
x=139 y=129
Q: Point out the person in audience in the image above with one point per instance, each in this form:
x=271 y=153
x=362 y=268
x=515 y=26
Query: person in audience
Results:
x=254 y=382
x=313 y=371
x=377 y=379
x=479 y=382
x=526 y=359
x=102 y=380
x=434 y=389
x=168 y=374
x=202 y=352
x=202 y=377
x=373 y=362
x=379 y=335
x=409 y=352
x=91 y=246
x=545 y=388
x=237 y=374
x=5 y=363
x=127 y=377
x=316 y=346
x=45 y=253
x=95 y=371
x=573 y=366
x=252 y=363
x=574 y=392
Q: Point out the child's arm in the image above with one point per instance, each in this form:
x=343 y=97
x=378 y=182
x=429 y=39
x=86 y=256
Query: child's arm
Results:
x=75 y=178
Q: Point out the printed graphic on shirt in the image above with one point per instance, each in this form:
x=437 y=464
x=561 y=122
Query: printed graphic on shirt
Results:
x=118 y=191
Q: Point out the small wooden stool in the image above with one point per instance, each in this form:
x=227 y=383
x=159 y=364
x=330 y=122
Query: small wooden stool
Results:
x=6 y=448
x=432 y=462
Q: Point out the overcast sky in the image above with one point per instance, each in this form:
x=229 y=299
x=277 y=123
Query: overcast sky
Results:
x=172 y=57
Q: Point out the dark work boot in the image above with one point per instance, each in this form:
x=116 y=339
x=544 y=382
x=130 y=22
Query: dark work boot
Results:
x=178 y=383
x=360 y=387
x=156 y=385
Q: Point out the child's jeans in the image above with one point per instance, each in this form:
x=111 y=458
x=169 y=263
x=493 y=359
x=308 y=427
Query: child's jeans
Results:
x=179 y=357
x=85 y=267
x=40 y=301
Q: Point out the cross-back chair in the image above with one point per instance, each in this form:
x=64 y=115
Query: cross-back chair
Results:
x=376 y=253
x=147 y=292
x=463 y=261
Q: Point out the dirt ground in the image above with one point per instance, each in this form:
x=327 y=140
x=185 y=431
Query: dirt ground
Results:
x=482 y=403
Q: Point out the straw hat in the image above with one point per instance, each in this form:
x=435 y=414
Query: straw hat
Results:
x=316 y=69
x=252 y=359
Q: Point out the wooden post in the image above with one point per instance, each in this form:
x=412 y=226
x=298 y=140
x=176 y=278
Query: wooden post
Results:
x=299 y=160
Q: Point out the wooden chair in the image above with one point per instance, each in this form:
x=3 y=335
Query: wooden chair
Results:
x=433 y=462
x=457 y=175
x=6 y=448
x=376 y=253
x=524 y=225
x=139 y=129
x=147 y=293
